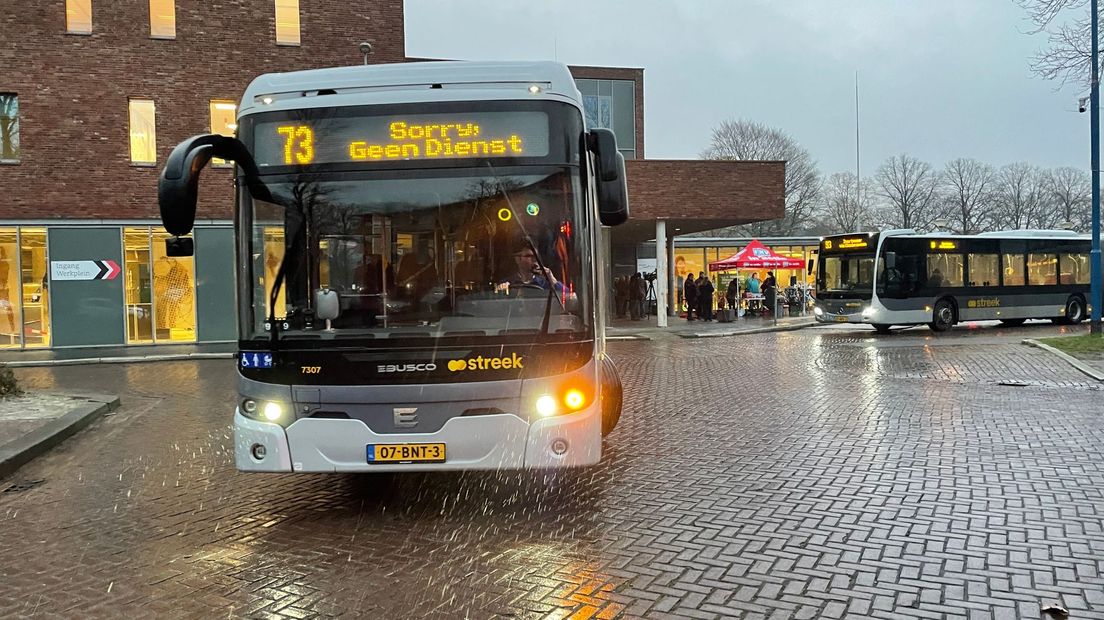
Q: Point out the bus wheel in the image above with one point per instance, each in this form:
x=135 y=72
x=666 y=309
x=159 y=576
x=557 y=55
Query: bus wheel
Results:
x=943 y=317
x=1012 y=322
x=881 y=328
x=611 y=397
x=1075 y=311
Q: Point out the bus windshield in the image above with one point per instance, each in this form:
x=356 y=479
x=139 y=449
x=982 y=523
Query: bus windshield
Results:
x=420 y=253
x=847 y=275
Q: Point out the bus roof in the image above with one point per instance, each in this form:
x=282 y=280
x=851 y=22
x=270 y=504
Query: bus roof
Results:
x=410 y=82
x=995 y=234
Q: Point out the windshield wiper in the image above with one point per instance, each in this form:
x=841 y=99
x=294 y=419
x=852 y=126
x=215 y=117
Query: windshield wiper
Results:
x=281 y=271
x=536 y=253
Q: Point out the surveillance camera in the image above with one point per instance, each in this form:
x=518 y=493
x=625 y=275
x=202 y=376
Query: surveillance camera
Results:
x=366 y=48
x=1081 y=104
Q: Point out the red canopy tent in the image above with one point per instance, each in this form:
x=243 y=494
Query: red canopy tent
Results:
x=756 y=256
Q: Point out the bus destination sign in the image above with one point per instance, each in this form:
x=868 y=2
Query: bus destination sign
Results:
x=352 y=139
x=846 y=243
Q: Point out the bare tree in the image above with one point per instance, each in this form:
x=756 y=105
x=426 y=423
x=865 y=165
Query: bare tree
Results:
x=966 y=188
x=908 y=185
x=1066 y=23
x=747 y=141
x=846 y=207
x=1019 y=197
x=9 y=127
x=1070 y=190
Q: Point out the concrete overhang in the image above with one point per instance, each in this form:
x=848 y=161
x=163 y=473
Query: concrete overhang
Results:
x=696 y=195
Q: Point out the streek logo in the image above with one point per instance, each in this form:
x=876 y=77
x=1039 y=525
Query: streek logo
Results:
x=406 y=367
x=486 y=363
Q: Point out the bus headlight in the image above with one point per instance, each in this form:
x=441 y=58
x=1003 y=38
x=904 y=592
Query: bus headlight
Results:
x=273 y=411
x=818 y=311
x=546 y=405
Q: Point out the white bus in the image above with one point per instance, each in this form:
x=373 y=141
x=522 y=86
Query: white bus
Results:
x=418 y=267
x=901 y=277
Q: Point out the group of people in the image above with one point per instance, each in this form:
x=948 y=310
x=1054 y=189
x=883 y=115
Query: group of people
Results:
x=698 y=295
x=629 y=294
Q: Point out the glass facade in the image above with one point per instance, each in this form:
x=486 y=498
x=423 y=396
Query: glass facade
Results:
x=611 y=104
x=159 y=290
x=224 y=117
x=24 y=288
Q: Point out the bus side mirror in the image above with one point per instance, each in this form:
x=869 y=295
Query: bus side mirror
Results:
x=178 y=185
x=891 y=260
x=809 y=267
x=613 y=191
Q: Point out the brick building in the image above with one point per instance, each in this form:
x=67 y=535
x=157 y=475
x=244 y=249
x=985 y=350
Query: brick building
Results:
x=95 y=94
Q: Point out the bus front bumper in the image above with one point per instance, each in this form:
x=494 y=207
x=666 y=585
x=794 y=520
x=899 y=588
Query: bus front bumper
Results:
x=500 y=441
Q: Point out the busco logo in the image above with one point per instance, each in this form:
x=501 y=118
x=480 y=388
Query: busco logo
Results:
x=406 y=367
x=486 y=363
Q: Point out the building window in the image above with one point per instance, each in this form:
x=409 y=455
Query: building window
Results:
x=9 y=128
x=287 y=22
x=160 y=290
x=143 y=132
x=1042 y=269
x=224 y=122
x=78 y=16
x=162 y=15
x=599 y=111
x=984 y=270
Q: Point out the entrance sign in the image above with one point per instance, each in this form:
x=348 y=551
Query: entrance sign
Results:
x=84 y=270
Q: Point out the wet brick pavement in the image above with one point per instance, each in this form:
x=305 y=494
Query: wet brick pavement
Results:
x=814 y=474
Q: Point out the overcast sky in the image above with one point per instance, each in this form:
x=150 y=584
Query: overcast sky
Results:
x=938 y=79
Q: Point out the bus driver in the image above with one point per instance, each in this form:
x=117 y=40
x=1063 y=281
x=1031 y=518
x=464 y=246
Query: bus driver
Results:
x=529 y=272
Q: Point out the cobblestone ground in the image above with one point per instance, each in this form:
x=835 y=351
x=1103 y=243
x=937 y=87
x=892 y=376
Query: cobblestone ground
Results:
x=813 y=474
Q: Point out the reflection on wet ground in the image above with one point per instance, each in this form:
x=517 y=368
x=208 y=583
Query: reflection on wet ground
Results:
x=805 y=473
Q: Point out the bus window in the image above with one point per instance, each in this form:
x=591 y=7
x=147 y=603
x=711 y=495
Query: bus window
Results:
x=1075 y=268
x=1013 y=269
x=944 y=270
x=1042 y=269
x=984 y=270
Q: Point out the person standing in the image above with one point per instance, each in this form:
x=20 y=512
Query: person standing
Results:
x=634 y=301
x=732 y=293
x=770 y=287
x=705 y=296
x=690 y=294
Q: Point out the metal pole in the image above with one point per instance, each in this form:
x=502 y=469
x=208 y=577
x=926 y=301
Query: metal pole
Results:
x=1094 y=119
x=661 y=273
x=858 y=179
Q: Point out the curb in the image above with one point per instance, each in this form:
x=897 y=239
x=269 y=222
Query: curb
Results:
x=1073 y=361
x=757 y=330
x=118 y=360
x=628 y=337
x=19 y=452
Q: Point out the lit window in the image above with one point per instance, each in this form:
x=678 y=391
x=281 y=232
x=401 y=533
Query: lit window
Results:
x=1013 y=269
x=1042 y=269
x=143 y=136
x=1075 y=268
x=78 y=16
x=944 y=270
x=223 y=122
x=9 y=127
x=984 y=270
x=287 y=22
x=162 y=19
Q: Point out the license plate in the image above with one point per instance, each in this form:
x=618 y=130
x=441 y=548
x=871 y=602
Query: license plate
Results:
x=406 y=453
x=841 y=319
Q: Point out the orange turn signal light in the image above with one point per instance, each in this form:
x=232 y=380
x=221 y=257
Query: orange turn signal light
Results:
x=574 y=399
